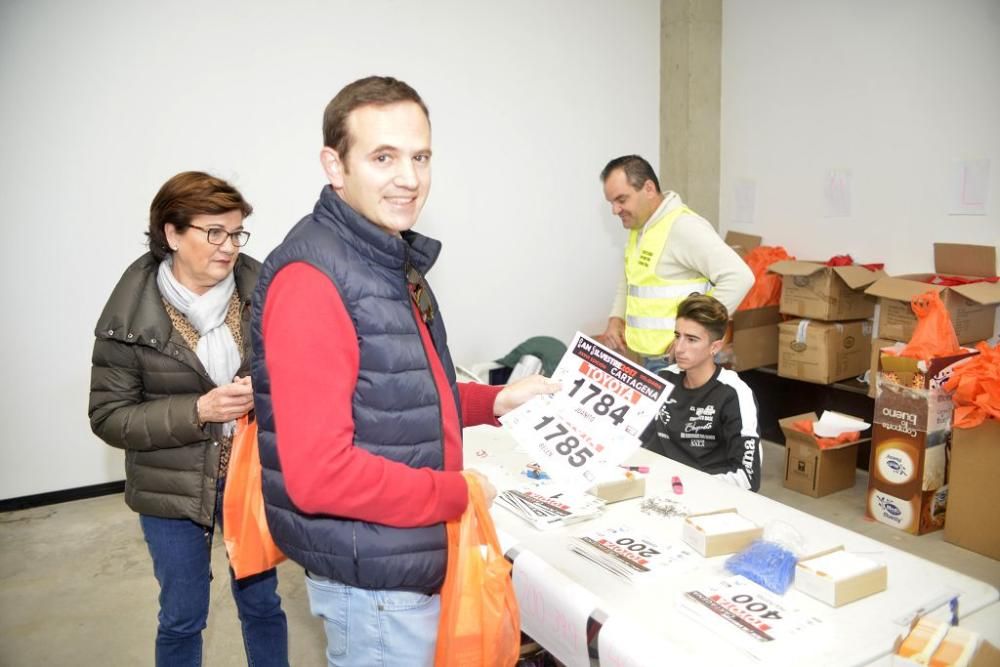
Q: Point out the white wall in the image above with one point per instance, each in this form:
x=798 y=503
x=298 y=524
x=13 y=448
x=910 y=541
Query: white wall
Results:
x=893 y=90
x=102 y=102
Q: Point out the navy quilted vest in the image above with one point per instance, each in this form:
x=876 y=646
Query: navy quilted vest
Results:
x=396 y=406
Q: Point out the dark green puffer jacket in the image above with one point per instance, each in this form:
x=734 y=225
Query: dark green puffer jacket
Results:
x=144 y=385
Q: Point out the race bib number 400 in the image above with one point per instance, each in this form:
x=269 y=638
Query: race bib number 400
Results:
x=595 y=421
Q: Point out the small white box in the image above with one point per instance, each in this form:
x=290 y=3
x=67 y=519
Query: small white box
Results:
x=721 y=532
x=838 y=577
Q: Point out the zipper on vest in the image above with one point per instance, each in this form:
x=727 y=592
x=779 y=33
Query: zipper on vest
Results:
x=430 y=335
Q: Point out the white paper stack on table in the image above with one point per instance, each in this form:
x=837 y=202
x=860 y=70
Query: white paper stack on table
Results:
x=628 y=554
x=595 y=422
x=547 y=506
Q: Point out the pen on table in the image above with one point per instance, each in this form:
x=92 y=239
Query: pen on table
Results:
x=643 y=469
x=677 y=485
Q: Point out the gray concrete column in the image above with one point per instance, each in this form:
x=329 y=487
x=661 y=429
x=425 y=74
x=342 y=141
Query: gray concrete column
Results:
x=691 y=101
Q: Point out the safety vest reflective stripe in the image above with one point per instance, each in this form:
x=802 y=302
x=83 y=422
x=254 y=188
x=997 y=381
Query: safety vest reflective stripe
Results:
x=668 y=291
x=652 y=301
x=661 y=323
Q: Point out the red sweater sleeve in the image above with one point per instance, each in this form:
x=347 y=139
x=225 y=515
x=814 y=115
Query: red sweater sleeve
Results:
x=477 y=403
x=312 y=358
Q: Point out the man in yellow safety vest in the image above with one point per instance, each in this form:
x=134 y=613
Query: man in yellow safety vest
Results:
x=671 y=253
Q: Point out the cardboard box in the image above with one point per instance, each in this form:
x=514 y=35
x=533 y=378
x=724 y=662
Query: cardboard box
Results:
x=823 y=352
x=972 y=307
x=706 y=541
x=742 y=243
x=908 y=471
x=755 y=331
x=755 y=338
x=973 y=493
x=837 y=577
x=819 y=292
x=877 y=346
x=813 y=471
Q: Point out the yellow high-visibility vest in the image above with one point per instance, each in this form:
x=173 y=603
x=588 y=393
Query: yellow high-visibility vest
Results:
x=651 y=304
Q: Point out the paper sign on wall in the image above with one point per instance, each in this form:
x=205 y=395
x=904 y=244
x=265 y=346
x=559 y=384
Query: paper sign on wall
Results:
x=971 y=187
x=837 y=193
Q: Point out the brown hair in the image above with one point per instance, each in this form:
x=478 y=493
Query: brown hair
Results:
x=706 y=311
x=637 y=171
x=373 y=90
x=184 y=196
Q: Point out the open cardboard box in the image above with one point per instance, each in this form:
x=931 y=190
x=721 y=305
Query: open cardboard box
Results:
x=816 y=291
x=813 y=471
x=908 y=471
x=755 y=330
x=742 y=243
x=973 y=494
x=838 y=589
x=878 y=344
x=972 y=307
x=710 y=544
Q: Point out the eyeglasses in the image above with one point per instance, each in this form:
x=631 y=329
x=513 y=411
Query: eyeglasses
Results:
x=217 y=236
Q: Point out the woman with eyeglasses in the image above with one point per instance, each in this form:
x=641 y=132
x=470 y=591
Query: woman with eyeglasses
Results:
x=170 y=375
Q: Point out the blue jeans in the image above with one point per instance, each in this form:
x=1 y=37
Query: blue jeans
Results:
x=656 y=364
x=182 y=564
x=375 y=628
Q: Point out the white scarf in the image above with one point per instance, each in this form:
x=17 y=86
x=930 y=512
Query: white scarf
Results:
x=216 y=348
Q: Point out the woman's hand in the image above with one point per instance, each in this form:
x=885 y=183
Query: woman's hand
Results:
x=521 y=391
x=226 y=403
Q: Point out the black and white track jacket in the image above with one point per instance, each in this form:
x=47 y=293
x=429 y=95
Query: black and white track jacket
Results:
x=712 y=428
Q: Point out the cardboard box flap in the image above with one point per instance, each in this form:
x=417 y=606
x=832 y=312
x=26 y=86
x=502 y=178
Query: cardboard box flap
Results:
x=900 y=288
x=791 y=267
x=960 y=259
x=985 y=294
x=794 y=433
x=742 y=243
x=756 y=317
x=857 y=276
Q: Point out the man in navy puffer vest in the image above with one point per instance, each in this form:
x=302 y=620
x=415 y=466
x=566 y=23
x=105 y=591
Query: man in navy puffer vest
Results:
x=360 y=417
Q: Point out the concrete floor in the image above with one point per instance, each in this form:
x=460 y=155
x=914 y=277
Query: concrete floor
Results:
x=76 y=582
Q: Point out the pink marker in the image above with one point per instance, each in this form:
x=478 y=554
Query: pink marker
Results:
x=642 y=469
x=678 y=487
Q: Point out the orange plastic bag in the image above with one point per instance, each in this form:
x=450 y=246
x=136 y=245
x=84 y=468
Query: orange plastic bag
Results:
x=244 y=526
x=766 y=290
x=975 y=387
x=806 y=426
x=480 y=624
x=934 y=335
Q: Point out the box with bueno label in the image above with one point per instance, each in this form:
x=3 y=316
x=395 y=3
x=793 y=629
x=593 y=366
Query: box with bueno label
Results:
x=908 y=471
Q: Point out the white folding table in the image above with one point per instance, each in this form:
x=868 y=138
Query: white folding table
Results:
x=859 y=633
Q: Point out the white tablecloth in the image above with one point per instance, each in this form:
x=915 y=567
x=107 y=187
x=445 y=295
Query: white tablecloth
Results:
x=855 y=634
